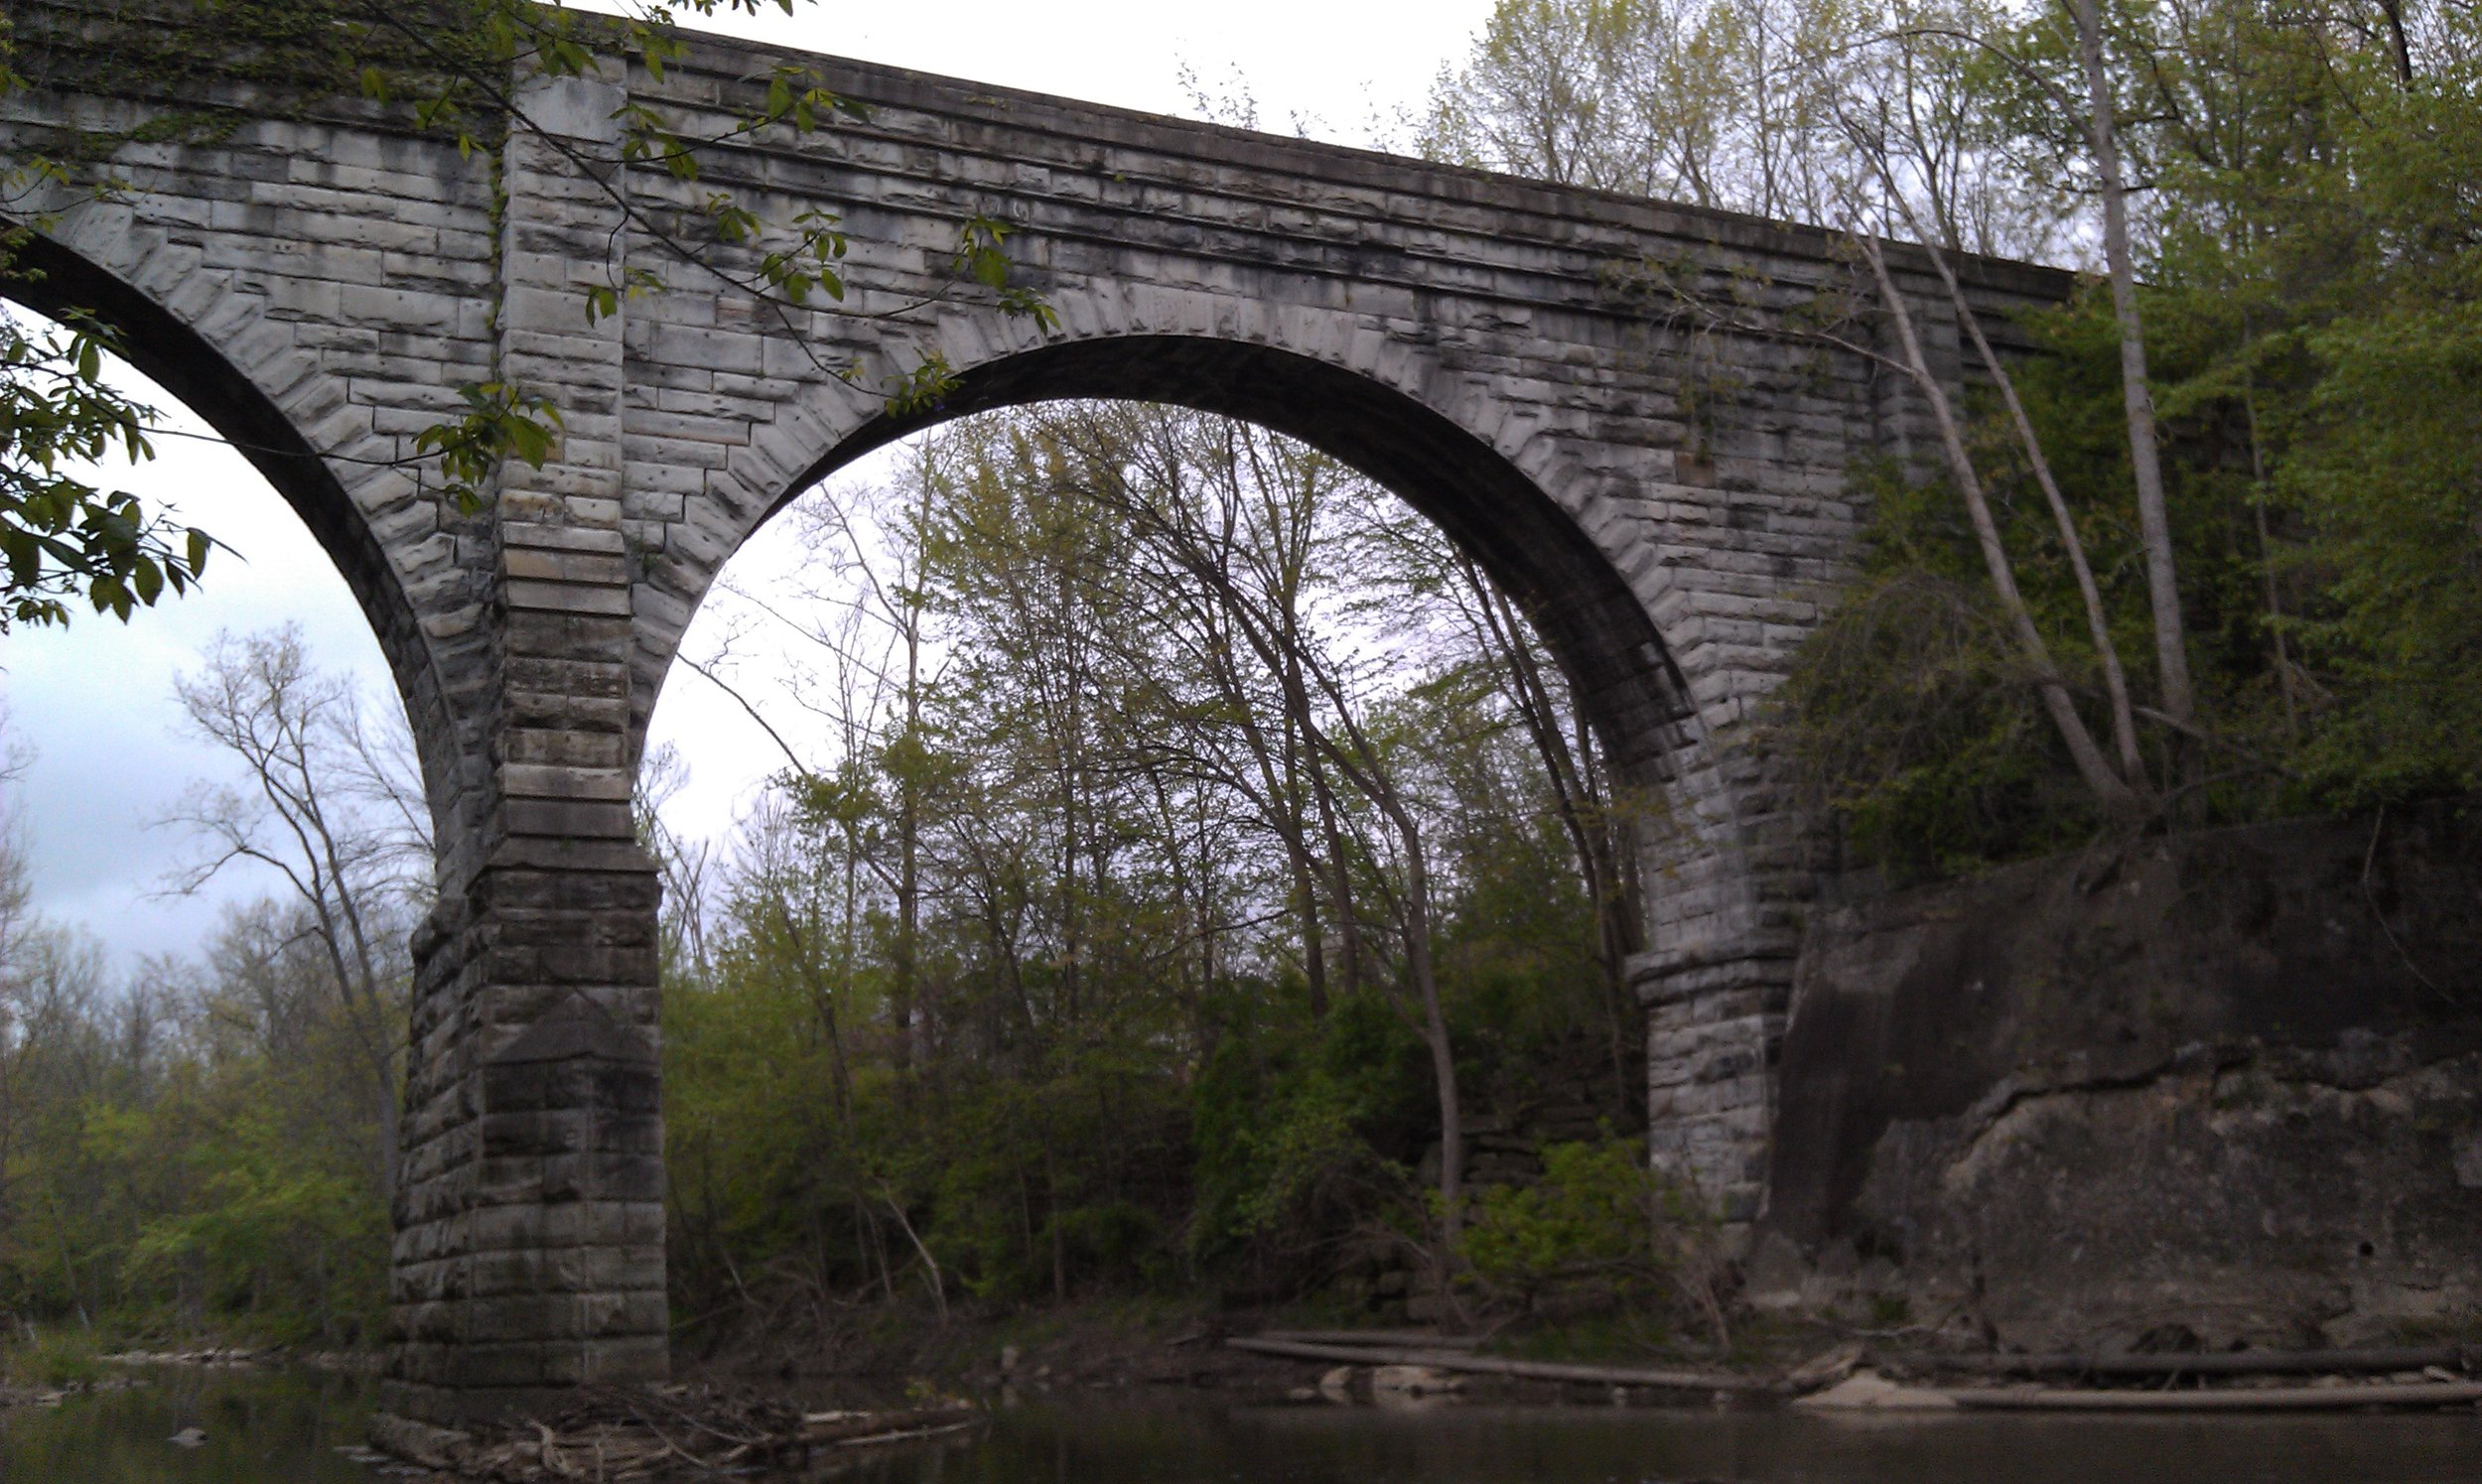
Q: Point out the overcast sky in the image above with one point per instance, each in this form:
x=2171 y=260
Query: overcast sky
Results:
x=95 y=702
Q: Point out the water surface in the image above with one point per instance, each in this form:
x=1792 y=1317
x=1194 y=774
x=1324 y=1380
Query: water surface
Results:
x=1066 y=1441
x=294 y=1428
x=261 y=1427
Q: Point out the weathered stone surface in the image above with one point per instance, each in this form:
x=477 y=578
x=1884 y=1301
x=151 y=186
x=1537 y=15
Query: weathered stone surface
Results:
x=2231 y=1081
x=1868 y=1390
x=319 y=284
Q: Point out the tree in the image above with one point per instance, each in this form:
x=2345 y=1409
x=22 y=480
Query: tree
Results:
x=329 y=805
x=2172 y=646
x=63 y=537
x=1205 y=522
x=1709 y=101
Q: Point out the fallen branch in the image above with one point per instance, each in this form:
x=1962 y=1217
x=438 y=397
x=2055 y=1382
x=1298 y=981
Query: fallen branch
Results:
x=658 y=1432
x=907 y=1436
x=1491 y=1365
x=842 y=1428
x=1398 y=1338
x=2207 y=1363
x=2237 y=1399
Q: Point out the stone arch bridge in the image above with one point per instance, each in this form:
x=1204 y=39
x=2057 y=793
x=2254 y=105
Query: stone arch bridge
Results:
x=319 y=284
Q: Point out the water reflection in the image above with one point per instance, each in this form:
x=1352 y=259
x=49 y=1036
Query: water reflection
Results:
x=261 y=1428
x=284 y=1429
x=1105 y=1442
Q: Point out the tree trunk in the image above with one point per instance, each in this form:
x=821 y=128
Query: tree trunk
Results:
x=1419 y=968
x=2106 y=784
x=2098 y=624
x=2171 y=649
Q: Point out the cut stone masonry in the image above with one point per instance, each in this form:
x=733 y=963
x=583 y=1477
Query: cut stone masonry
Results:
x=1673 y=511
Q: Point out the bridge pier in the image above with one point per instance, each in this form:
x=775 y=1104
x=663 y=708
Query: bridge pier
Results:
x=529 y=1213
x=1714 y=1030
x=529 y=1254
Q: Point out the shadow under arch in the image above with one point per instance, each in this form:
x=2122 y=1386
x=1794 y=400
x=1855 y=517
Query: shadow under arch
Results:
x=52 y=280
x=1624 y=674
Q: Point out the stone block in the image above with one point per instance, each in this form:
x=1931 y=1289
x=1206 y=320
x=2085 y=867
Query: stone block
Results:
x=565 y=538
x=637 y=1356
x=604 y=819
x=545 y=780
x=566 y=596
x=568 y=567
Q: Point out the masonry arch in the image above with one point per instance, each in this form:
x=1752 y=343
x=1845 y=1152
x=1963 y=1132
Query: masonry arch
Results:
x=1522 y=498
x=1527 y=543
x=181 y=358
x=1525 y=502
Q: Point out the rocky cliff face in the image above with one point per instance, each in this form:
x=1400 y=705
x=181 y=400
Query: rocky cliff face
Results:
x=2229 y=1083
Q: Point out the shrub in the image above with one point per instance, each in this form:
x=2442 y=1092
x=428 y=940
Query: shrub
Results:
x=1598 y=1214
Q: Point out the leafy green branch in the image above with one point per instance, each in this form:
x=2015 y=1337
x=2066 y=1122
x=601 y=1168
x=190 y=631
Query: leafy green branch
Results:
x=501 y=422
x=62 y=538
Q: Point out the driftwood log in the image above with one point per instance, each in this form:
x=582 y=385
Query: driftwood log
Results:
x=2204 y=1363
x=1493 y=1365
x=1409 y=1339
x=2231 y=1398
x=1365 y=1348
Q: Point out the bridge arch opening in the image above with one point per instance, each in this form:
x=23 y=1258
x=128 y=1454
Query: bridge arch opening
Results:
x=213 y=851
x=52 y=280
x=1620 y=677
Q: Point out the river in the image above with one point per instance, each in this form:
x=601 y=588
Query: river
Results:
x=283 y=1428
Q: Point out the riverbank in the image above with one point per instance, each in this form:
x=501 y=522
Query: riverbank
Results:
x=1123 y=1394
x=1169 y=1344
x=52 y=1368
x=680 y=1430
x=61 y=1366
x=882 y=1367
x=1773 y=1360
x=14 y=1395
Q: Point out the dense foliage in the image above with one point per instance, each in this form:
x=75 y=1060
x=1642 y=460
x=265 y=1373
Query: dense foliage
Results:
x=2309 y=257
x=1184 y=864
x=2224 y=563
